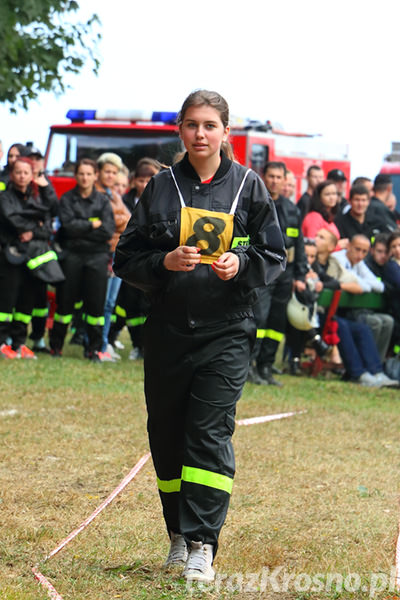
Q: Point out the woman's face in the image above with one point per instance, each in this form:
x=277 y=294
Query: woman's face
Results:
x=12 y=155
x=202 y=132
x=395 y=249
x=21 y=175
x=108 y=175
x=329 y=196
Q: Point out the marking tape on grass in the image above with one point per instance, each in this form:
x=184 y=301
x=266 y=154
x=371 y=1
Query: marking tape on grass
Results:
x=254 y=420
x=397 y=576
x=38 y=575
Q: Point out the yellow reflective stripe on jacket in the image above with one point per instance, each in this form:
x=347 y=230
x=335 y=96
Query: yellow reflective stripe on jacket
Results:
x=40 y=312
x=271 y=334
x=5 y=317
x=169 y=486
x=2 y=186
x=208 y=478
x=34 y=263
x=65 y=319
x=121 y=312
x=17 y=316
x=135 y=321
x=292 y=232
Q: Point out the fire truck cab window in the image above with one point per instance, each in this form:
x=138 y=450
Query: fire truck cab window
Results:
x=65 y=149
x=259 y=157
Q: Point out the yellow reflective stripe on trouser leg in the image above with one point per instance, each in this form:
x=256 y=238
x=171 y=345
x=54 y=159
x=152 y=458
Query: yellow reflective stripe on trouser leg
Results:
x=208 y=478
x=64 y=319
x=40 y=312
x=134 y=322
x=5 y=317
x=95 y=320
x=23 y=318
x=271 y=334
x=169 y=485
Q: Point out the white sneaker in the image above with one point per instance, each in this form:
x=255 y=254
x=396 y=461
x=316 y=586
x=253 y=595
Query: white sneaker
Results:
x=112 y=353
x=385 y=381
x=178 y=552
x=368 y=380
x=119 y=345
x=199 y=563
x=134 y=354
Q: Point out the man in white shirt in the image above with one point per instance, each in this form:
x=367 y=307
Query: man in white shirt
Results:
x=381 y=324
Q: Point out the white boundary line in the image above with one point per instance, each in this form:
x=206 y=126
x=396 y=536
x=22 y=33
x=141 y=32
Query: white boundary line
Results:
x=254 y=420
x=38 y=575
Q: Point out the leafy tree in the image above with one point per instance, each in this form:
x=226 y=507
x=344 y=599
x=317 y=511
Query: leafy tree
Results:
x=40 y=43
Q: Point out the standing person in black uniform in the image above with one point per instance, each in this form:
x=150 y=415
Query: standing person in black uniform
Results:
x=87 y=224
x=203 y=237
x=25 y=229
x=270 y=310
x=315 y=175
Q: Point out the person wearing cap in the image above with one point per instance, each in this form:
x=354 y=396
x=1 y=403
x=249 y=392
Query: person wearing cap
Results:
x=48 y=194
x=340 y=180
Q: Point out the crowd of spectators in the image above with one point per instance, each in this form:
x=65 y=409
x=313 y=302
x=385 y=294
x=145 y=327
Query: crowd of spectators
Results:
x=335 y=240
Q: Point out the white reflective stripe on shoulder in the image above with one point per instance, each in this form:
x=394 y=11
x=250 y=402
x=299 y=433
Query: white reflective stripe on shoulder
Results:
x=177 y=187
x=236 y=200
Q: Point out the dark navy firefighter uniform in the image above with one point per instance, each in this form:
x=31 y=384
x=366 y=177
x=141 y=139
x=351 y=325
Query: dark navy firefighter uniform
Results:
x=87 y=253
x=200 y=330
x=270 y=309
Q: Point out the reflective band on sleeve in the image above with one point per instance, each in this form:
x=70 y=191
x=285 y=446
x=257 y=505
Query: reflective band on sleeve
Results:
x=95 y=320
x=121 y=312
x=17 y=316
x=65 y=319
x=34 y=263
x=240 y=241
x=2 y=186
x=292 y=232
x=169 y=486
x=5 y=317
x=135 y=322
x=271 y=334
x=208 y=478
x=40 y=312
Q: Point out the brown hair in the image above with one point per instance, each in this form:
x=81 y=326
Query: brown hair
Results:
x=214 y=100
x=27 y=161
x=86 y=161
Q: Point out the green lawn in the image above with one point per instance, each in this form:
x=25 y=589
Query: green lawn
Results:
x=316 y=493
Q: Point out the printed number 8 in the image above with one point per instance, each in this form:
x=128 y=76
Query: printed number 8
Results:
x=211 y=237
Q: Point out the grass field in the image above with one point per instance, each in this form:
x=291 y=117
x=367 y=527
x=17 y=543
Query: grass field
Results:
x=314 y=494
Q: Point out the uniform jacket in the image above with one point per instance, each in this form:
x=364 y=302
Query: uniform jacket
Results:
x=77 y=232
x=200 y=297
x=290 y=221
x=23 y=212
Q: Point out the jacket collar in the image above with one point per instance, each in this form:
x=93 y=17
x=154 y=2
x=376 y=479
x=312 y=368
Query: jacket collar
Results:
x=189 y=171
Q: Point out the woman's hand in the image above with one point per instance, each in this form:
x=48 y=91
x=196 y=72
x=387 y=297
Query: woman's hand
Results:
x=227 y=266
x=26 y=236
x=183 y=258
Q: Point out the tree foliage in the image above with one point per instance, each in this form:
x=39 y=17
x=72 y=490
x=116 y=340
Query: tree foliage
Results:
x=41 y=42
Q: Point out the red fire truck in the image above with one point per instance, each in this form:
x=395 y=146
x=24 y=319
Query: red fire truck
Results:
x=135 y=134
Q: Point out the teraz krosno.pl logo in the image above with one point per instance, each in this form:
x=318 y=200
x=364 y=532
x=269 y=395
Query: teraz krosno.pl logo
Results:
x=279 y=580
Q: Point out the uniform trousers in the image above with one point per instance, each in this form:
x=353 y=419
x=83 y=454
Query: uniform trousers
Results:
x=85 y=279
x=270 y=315
x=193 y=380
x=18 y=290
